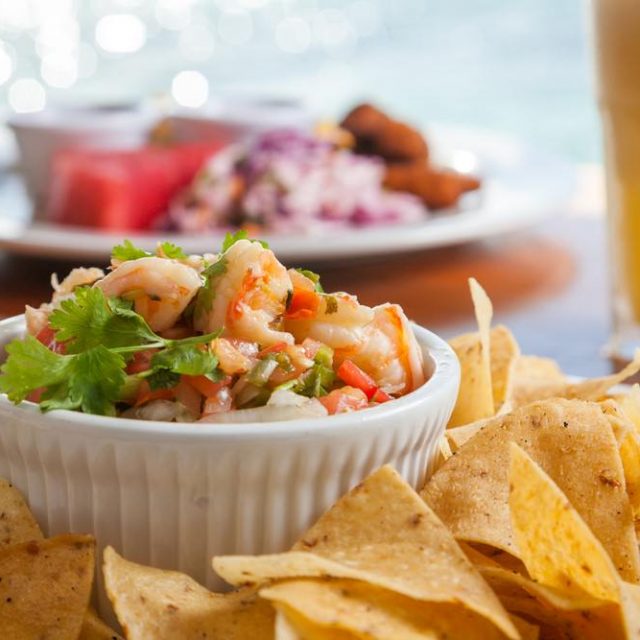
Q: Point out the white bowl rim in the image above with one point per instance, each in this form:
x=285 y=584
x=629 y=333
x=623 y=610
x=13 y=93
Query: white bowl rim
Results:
x=446 y=372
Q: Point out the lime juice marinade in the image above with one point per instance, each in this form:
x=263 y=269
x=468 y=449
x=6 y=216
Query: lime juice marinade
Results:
x=617 y=41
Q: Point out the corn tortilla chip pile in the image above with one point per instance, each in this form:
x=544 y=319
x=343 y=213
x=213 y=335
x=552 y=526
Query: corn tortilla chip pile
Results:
x=528 y=529
x=45 y=584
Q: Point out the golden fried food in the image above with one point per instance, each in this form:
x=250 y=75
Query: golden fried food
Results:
x=437 y=188
x=378 y=134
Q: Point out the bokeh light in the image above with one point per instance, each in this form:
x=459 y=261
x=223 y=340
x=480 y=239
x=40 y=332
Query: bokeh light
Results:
x=121 y=33
x=196 y=43
x=6 y=64
x=235 y=27
x=174 y=15
x=333 y=30
x=27 y=95
x=293 y=35
x=59 y=70
x=190 y=89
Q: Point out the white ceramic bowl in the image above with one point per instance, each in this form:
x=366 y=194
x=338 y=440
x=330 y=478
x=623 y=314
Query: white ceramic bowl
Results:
x=173 y=495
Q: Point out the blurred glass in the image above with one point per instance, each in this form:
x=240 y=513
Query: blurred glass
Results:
x=617 y=46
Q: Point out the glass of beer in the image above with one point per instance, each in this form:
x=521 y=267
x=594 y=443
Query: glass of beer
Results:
x=616 y=29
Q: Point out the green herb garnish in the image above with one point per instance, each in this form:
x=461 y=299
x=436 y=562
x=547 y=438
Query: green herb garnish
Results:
x=128 y=251
x=172 y=251
x=231 y=238
x=99 y=334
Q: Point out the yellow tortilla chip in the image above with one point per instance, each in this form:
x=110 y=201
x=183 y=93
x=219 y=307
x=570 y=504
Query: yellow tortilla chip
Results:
x=630 y=403
x=45 y=587
x=380 y=532
x=17 y=523
x=535 y=368
x=475 y=397
x=95 y=629
x=459 y=436
x=526 y=630
x=592 y=389
x=367 y=611
x=504 y=352
x=158 y=604
x=574 y=443
x=555 y=543
x=290 y=625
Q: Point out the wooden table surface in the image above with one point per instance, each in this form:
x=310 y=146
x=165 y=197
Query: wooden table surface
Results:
x=549 y=285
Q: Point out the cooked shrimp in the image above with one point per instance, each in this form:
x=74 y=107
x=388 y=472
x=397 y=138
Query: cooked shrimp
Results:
x=161 y=289
x=389 y=352
x=38 y=319
x=250 y=296
x=76 y=278
x=338 y=322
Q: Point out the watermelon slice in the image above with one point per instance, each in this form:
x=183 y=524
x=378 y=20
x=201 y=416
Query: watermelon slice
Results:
x=121 y=190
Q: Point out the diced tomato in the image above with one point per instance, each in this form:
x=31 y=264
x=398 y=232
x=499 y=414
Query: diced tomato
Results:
x=208 y=388
x=352 y=375
x=140 y=362
x=303 y=304
x=121 y=190
x=146 y=395
x=189 y=397
x=48 y=338
x=344 y=400
x=381 y=396
x=274 y=348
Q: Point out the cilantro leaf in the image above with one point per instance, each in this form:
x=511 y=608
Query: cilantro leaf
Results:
x=95 y=379
x=163 y=379
x=170 y=250
x=206 y=294
x=81 y=319
x=90 y=381
x=89 y=319
x=314 y=277
x=128 y=251
x=231 y=238
x=30 y=366
x=185 y=359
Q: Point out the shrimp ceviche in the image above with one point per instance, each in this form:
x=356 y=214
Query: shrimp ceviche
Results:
x=228 y=337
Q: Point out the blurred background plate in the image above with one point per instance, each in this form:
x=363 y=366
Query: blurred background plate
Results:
x=521 y=187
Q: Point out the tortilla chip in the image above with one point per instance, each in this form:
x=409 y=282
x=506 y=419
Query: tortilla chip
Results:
x=17 y=523
x=555 y=543
x=290 y=625
x=380 y=532
x=591 y=389
x=95 y=629
x=573 y=442
x=592 y=624
x=536 y=368
x=158 y=604
x=504 y=354
x=45 y=587
x=630 y=404
x=475 y=397
x=526 y=630
x=459 y=436
x=368 y=611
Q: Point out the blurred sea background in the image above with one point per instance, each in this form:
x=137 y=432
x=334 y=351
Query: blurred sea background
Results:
x=521 y=67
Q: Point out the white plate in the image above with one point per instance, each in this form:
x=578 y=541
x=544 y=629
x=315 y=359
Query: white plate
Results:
x=521 y=186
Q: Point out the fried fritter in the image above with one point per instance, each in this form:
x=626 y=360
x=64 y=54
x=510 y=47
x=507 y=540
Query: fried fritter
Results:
x=377 y=134
x=437 y=188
